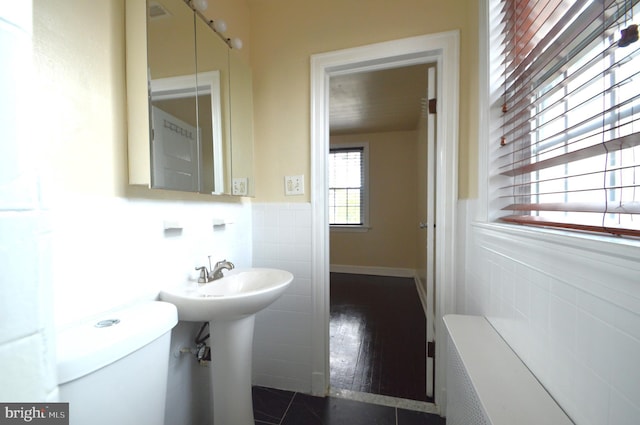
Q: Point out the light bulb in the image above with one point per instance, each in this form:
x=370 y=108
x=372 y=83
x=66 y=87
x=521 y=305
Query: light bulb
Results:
x=220 y=25
x=201 y=5
x=236 y=43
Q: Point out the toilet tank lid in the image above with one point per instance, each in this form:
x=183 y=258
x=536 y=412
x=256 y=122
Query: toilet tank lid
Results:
x=84 y=347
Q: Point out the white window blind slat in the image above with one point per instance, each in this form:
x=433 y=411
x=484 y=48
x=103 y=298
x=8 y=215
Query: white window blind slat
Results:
x=577 y=88
x=601 y=208
x=529 y=164
x=574 y=182
x=571 y=116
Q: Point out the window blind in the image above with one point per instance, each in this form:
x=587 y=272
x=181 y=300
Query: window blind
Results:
x=346 y=179
x=570 y=145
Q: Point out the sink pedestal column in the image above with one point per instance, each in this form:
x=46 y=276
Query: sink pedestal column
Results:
x=231 y=352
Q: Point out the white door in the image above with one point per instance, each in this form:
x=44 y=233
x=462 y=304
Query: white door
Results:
x=430 y=227
x=174 y=151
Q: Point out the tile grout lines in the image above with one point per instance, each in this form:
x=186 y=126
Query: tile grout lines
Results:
x=287 y=409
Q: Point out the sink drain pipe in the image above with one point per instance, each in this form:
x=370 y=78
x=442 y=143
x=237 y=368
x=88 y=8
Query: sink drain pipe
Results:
x=202 y=351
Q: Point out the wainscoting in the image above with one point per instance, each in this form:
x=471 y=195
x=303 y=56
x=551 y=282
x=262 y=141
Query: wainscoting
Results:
x=569 y=306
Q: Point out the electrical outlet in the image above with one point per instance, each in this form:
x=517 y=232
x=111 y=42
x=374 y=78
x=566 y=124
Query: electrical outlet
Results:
x=240 y=186
x=294 y=185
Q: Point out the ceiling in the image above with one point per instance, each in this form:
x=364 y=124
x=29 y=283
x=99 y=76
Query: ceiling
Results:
x=377 y=101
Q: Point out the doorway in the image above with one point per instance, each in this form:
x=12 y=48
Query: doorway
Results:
x=378 y=123
x=443 y=50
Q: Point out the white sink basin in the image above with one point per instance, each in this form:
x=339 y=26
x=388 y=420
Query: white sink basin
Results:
x=229 y=305
x=242 y=292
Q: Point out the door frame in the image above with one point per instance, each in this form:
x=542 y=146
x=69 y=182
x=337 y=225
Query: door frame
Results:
x=443 y=50
x=429 y=196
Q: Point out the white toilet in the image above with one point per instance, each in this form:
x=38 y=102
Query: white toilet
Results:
x=113 y=370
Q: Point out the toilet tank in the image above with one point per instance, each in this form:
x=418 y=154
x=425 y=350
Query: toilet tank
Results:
x=113 y=370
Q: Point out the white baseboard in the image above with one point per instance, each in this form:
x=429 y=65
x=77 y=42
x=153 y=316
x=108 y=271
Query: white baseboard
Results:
x=422 y=293
x=374 y=271
x=319 y=384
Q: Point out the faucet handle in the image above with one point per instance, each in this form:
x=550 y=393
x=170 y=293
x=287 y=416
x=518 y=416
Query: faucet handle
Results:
x=203 y=274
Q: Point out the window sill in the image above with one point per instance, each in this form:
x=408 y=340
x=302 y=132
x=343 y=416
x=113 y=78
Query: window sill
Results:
x=604 y=245
x=349 y=228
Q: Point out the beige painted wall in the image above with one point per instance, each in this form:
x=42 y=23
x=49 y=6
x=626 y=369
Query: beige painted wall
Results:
x=236 y=14
x=285 y=33
x=88 y=153
x=391 y=241
x=79 y=55
x=79 y=59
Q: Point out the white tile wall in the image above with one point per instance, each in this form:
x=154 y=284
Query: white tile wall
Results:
x=570 y=312
x=110 y=252
x=26 y=347
x=282 y=340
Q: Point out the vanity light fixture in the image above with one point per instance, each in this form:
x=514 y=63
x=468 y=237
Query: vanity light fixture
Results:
x=218 y=26
x=201 y=5
x=236 y=43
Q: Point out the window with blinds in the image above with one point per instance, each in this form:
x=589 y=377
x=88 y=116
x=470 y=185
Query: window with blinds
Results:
x=570 y=120
x=347 y=186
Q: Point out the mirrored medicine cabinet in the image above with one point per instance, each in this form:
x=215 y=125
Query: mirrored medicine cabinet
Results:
x=189 y=103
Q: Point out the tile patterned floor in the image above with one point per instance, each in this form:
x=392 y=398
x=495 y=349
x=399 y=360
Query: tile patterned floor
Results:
x=277 y=407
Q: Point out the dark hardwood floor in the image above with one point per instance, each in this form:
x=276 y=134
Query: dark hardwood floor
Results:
x=377 y=336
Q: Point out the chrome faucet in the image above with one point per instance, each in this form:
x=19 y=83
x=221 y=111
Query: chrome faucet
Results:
x=204 y=275
x=215 y=273
x=221 y=265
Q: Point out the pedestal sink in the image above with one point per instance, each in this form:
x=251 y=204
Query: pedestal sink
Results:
x=229 y=305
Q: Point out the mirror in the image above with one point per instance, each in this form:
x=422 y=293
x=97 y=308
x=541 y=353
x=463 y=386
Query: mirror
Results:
x=241 y=107
x=212 y=63
x=187 y=63
x=182 y=68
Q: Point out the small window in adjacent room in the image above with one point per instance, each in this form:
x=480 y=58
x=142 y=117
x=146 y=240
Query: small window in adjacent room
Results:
x=348 y=193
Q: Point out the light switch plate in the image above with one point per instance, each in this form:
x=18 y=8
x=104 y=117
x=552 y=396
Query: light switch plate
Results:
x=293 y=185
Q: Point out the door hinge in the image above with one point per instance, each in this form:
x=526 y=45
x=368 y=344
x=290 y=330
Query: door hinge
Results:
x=432 y=106
x=431 y=349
